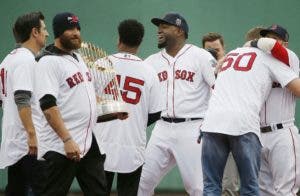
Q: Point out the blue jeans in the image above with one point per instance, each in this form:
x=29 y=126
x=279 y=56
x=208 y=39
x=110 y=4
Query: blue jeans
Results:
x=246 y=150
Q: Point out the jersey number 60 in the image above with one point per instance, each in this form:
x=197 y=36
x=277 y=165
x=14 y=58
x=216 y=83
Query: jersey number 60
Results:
x=230 y=58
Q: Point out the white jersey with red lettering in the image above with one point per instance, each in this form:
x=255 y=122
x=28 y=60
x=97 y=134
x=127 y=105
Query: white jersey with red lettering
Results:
x=280 y=174
x=186 y=80
x=241 y=88
x=124 y=141
x=281 y=103
x=16 y=73
x=70 y=82
x=182 y=77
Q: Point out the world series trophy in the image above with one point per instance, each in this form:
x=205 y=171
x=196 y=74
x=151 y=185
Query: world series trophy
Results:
x=110 y=104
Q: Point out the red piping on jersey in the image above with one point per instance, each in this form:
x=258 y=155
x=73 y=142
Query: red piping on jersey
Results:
x=295 y=158
x=126 y=58
x=167 y=98
x=87 y=130
x=165 y=58
x=173 y=89
x=265 y=113
x=280 y=53
x=167 y=84
x=174 y=77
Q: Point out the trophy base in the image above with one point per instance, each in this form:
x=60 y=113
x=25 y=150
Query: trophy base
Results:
x=110 y=111
x=109 y=117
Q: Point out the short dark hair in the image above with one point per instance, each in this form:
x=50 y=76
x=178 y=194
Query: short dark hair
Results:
x=24 y=25
x=131 y=32
x=212 y=36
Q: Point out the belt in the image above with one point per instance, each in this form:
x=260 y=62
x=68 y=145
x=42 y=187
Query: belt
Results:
x=271 y=128
x=179 y=120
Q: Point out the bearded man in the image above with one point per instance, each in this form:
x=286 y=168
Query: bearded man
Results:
x=67 y=98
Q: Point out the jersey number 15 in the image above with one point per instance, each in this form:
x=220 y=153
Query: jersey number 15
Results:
x=130 y=91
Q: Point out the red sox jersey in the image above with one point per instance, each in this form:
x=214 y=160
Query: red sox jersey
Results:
x=281 y=103
x=70 y=82
x=16 y=73
x=186 y=80
x=279 y=174
x=241 y=88
x=124 y=141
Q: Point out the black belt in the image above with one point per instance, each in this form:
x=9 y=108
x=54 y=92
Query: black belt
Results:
x=269 y=128
x=179 y=120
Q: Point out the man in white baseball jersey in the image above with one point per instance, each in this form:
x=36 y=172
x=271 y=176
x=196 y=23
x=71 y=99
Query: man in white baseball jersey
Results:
x=186 y=75
x=232 y=121
x=280 y=159
x=20 y=111
x=67 y=98
x=124 y=142
x=230 y=182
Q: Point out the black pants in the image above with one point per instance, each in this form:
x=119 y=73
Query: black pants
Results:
x=127 y=183
x=60 y=173
x=22 y=176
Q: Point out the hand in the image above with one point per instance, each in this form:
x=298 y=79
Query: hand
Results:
x=72 y=150
x=247 y=44
x=219 y=65
x=98 y=98
x=32 y=144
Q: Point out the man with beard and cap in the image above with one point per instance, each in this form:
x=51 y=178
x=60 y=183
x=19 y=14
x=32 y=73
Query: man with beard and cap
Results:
x=67 y=98
x=186 y=76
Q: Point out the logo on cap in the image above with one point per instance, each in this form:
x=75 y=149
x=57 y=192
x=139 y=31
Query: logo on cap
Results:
x=178 y=21
x=274 y=27
x=73 y=19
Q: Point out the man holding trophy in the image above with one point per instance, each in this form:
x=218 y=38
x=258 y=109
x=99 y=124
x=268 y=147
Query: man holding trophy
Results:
x=67 y=98
x=124 y=142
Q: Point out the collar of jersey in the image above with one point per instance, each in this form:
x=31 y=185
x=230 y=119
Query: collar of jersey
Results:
x=182 y=50
x=26 y=49
x=128 y=56
x=55 y=50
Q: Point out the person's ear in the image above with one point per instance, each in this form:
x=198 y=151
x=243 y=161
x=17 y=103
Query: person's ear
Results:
x=180 y=31
x=35 y=32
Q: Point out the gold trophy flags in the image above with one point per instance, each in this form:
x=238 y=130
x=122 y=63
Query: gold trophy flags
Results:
x=109 y=100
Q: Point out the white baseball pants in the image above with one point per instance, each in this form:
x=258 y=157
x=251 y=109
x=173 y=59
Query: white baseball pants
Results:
x=171 y=144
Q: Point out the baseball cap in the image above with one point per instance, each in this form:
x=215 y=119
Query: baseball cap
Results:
x=64 y=21
x=173 y=19
x=278 y=30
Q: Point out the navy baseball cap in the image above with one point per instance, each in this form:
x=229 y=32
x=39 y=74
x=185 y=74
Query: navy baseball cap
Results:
x=278 y=30
x=173 y=19
x=64 y=21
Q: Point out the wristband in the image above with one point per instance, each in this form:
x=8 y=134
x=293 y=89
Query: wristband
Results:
x=253 y=43
x=67 y=139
